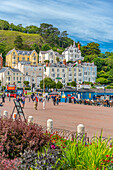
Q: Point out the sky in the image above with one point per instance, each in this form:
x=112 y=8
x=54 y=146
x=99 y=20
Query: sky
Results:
x=84 y=20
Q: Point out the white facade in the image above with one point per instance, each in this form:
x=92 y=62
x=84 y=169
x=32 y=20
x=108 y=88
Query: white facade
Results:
x=49 y=55
x=11 y=76
x=67 y=73
x=72 y=53
x=57 y=73
x=33 y=74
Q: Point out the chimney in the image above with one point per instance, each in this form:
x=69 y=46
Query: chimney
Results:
x=79 y=61
x=78 y=46
x=64 y=61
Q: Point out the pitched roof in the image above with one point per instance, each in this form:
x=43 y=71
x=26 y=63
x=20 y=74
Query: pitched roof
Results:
x=21 y=52
x=3 y=69
x=15 y=70
x=12 y=69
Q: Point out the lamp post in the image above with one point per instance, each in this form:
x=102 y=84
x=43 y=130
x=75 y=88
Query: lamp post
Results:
x=43 y=90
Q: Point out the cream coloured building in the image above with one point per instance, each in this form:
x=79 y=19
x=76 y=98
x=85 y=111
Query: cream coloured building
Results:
x=11 y=76
x=33 y=74
x=49 y=55
x=57 y=72
x=14 y=56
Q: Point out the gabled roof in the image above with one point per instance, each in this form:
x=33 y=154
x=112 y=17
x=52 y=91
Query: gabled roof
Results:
x=12 y=69
x=3 y=69
x=21 y=52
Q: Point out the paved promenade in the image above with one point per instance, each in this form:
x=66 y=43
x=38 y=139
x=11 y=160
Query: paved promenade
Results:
x=68 y=116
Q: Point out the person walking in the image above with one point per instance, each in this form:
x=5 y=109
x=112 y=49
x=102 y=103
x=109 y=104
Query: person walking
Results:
x=3 y=98
x=23 y=100
x=35 y=99
x=57 y=100
x=54 y=100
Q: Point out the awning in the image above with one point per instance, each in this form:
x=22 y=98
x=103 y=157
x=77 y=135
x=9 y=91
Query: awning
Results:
x=58 y=78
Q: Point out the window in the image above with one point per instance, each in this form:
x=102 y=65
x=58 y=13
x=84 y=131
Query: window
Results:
x=8 y=73
x=52 y=69
x=63 y=70
x=23 y=58
x=80 y=74
x=40 y=69
x=53 y=75
x=58 y=75
x=8 y=78
x=74 y=69
x=34 y=58
x=13 y=73
x=26 y=73
x=13 y=53
x=14 y=57
x=79 y=70
x=34 y=62
x=20 y=78
x=69 y=69
x=85 y=73
x=63 y=75
x=17 y=73
x=74 y=74
x=17 y=78
x=71 y=51
x=13 y=78
x=18 y=58
x=27 y=59
x=70 y=74
x=57 y=70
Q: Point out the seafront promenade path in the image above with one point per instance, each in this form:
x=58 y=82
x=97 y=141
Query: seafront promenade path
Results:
x=68 y=116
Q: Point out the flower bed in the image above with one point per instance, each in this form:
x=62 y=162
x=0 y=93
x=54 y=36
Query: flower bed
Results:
x=24 y=146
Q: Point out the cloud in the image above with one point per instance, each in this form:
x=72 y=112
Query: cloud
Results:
x=85 y=20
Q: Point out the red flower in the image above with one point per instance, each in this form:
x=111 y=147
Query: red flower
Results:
x=108 y=161
x=111 y=161
x=107 y=156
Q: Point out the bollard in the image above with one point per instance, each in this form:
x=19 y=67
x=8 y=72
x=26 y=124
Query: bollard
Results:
x=80 y=129
x=44 y=103
x=30 y=119
x=49 y=125
x=14 y=116
x=5 y=114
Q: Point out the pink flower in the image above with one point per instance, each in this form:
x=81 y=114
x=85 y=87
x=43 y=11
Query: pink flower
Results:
x=53 y=146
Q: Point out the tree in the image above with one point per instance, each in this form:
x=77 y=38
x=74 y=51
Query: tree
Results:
x=48 y=83
x=99 y=62
x=102 y=80
x=57 y=59
x=26 y=83
x=4 y=25
x=90 y=58
x=59 y=85
x=35 y=47
x=45 y=47
x=18 y=42
x=90 y=49
x=73 y=84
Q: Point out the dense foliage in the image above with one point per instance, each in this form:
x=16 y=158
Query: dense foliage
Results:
x=18 y=136
x=48 y=83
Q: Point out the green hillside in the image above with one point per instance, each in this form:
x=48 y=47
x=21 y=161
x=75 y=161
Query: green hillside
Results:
x=8 y=37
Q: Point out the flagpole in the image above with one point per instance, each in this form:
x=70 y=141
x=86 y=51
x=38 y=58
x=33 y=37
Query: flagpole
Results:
x=43 y=90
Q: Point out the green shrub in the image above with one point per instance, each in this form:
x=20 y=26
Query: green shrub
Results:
x=18 y=136
x=82 y=155
x=27 y=88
